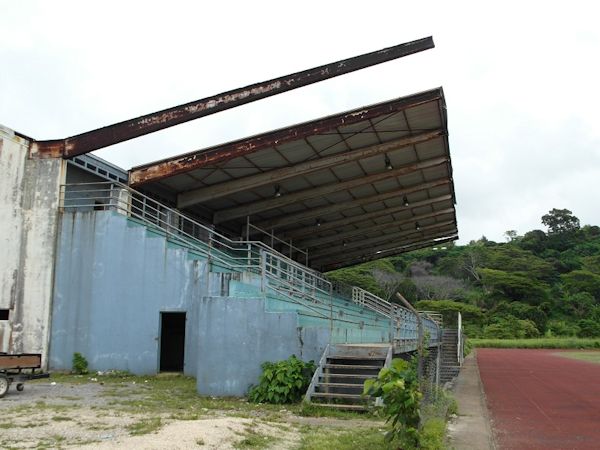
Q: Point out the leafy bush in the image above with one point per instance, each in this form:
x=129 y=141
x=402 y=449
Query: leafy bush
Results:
x=283 y=381
x=509 y=327
x=398 y=387
x=588 y=328
x=80 y=364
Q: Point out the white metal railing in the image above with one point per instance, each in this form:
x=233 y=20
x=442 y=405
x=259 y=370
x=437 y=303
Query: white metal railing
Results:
x=404 y=322
x=287 y=276
x=295 y=281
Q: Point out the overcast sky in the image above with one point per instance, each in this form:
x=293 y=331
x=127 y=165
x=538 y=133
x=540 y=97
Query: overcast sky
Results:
x=520 y=79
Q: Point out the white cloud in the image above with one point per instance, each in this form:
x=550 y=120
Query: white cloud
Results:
x=519 y=79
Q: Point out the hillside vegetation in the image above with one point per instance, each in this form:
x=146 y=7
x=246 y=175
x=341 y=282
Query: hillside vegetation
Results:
x=544 y=283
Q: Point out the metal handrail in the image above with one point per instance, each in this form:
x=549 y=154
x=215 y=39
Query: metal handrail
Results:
x=280 y=273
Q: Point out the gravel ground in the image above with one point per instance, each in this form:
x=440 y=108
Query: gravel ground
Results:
x=94 y=414
x=59 y=415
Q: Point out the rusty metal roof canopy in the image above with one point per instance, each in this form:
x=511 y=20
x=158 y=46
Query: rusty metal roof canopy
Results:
x=354 y=186
x=140 y=126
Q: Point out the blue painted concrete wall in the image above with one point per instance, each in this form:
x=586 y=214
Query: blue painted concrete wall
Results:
x=235 y=335
x=113 y=278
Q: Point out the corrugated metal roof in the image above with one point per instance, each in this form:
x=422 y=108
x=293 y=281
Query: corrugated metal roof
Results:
x=370 y=162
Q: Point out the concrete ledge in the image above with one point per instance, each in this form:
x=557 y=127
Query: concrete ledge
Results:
x=471 y=430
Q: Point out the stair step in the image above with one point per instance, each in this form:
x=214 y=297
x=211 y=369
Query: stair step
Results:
x=348 y=396
x=341 y=385
x=349 y=375
x=350 y=366
x=362 y=358
x=342 y=406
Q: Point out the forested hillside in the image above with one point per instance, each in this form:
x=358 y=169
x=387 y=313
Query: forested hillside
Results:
x=541 y=283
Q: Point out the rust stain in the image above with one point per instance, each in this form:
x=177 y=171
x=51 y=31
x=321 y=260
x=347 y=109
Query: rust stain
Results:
x=123 y=131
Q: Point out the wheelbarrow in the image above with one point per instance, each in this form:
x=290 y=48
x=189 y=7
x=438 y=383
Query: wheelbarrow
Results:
x=19 y=368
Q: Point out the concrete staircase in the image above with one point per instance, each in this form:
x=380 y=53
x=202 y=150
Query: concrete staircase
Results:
x=450 y=365
x=339 y=379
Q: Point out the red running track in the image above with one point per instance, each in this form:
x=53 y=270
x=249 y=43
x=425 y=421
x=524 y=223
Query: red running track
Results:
x=539 y=400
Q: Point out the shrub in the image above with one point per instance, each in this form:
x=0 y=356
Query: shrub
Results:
x=80 y=364
x=283 y=381
x=588 y=328
x=398 y=387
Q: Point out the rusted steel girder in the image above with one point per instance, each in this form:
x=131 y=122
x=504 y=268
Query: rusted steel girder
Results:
x=302 y=233
x=222 y=153
x=383 y=239
x=248 y=209
x=129 y=129
x=226 y=188
x=316 y=241
x=344 y=261
x=291 y=219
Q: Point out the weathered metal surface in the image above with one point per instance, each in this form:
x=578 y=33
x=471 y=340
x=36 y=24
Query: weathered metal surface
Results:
x=263 y=205
x=382 y=239
x=326 y=266
x=289 y=219
x=129 y=129
x=226 y=152
x=21 y=361
x=273 y=176
x=310 y=231
x=306 y=243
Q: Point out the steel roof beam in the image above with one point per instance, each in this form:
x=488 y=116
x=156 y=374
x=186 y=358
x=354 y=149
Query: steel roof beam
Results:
x=344 y=262
x=353 y=245
x=307 y=243
x=149 y=123
x=307 y=231
x=221 y=153
x=384 y=247
x=312 y=213
x=219 y=190
x=305 y=194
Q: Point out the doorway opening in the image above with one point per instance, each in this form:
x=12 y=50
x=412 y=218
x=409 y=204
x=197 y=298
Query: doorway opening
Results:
x=172 y=341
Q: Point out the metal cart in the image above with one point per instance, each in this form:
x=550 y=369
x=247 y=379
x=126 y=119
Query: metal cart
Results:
x=19 y=368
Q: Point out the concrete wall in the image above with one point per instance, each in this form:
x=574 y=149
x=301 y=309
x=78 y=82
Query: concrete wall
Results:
x=29 y=194
x=236 y=335
x=113 y=279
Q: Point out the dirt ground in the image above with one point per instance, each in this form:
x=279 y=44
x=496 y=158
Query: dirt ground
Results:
x=56 y=414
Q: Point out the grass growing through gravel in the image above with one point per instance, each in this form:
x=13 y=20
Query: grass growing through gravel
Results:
x=321 y=438
x=252 y=439
x=557 y=343
x=145 y=426
x=593 y=357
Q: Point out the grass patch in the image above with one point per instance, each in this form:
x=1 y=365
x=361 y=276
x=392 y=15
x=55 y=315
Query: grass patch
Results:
x=315 y=410
x=593 y=357
x=254 y=439
x=145 y=426
x=557 y=343
x=433 y=434
x=61 y=419
x=321 y=438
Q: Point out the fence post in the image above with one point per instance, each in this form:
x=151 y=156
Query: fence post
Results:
x=419 y=335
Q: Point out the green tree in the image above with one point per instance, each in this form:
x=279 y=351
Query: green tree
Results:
x=560 y=221
x=514 y=286
x=582 y=281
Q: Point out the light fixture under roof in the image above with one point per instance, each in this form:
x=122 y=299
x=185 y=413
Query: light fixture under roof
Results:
x=417 y=226
x=277 y=191
x=405 y=201
x=388 y=163
x=318 y=222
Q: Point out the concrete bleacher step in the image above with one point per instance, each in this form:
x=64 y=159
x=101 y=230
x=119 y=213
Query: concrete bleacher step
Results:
x=341 y=382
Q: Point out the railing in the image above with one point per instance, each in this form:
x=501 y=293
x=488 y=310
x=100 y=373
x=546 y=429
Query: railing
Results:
x=286 y=276
x=402 y=319
x=279 y=273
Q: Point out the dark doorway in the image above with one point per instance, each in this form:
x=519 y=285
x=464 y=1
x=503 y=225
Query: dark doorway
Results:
x=172 y=341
